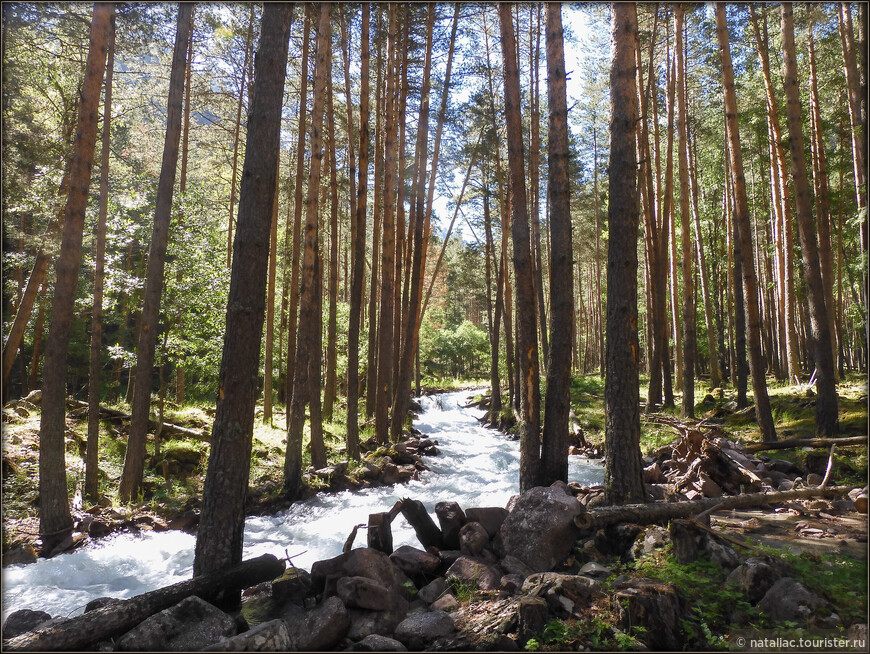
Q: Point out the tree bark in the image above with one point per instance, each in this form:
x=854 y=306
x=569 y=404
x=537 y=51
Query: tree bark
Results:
x=741 y=218
x=308 y=307
x=269 y=348
x=81 y=632
x=332 y=290
x=826 y=383
x=527 y=338
x=623 y=471
x=55 y=520
x=554 y=450
x=92 y=461
x=134 y=457
x=357 y=237
x=221 y=527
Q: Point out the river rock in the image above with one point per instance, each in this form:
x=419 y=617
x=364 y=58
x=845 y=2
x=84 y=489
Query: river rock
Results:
x=789 y=600
x=271 y=636
x=433 y=590
x=466 y=569
x=320 y=628
x=512 y=565
x=293 y=586
x=754 y=577
x=23 y=554
x=490 y=517
x=377 y=643
x=413 y=561
x=365 y=623
x=190 y=625
x=362 y=562
x=540 y=530
x=24 y=620
x=365 y=593
x=451 y=517
x=418 y=630
x=653 y=605
x=472 y=538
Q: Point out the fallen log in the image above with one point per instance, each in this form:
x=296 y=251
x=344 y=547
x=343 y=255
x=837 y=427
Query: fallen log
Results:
x=806 y=442
x=168 y=428
x=645 y=514
x=80 y=632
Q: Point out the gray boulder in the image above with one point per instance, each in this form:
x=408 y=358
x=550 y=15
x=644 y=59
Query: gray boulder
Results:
x=362 y=562
x=418 y=630
x=466 y=569
x=723 y=555
x=377 y=643
x=320 y=628
x=190 y=625
x=472 y=538
x=24 y=620
x=491 y=517
x=365 y=593
x=415 y=562
x=540 y=530
x=754 y=577
x=272 y=636
x=433 y=590
x=789 y=600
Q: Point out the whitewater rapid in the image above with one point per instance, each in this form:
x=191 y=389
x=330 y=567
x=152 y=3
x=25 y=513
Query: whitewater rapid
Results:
x=476 y=467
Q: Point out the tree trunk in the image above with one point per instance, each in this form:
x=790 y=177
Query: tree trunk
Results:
x=116 y=618
x=293 y=311
x=134 y=457
x=308 y=307
x=221 y=527
x=741 y=218
x=826 y=383
x=689 y=315
x=332 y=291
x=527 y=345
x=623 y=479
x=92 y=457
x=37 y=341
x=55 y=521
x=270 y=302
x=554 y=450
x=358 y=245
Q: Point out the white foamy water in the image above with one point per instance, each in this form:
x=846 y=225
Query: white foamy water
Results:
x=476 y=467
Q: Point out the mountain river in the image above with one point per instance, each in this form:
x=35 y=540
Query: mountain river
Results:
x=476 y=467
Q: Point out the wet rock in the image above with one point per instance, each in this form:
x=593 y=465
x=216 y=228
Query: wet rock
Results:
x=472 y=538
x=413 y=561
x=365 y=593
x=490 y=517
x=754 y=577
x=24 y=620
x=540 y=530
x=653 y=605
x=788 y=599
x=418 y=630
x=433 y=590
x=451 y=517
x=465 y=569
x=321 y=628
x=190 y=625
x=68 y=543
x=271 y=636
x=362 y=562
x=21 y=555
x=377 y=643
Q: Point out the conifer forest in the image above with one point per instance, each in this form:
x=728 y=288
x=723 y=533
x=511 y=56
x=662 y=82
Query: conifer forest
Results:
x=249 y=248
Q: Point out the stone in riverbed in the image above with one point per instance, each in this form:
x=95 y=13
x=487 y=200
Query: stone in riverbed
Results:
x=321 y=628
x=365 y=593
x=413 y=561
x=190 y=625
x=362 y=562
x=24 y=620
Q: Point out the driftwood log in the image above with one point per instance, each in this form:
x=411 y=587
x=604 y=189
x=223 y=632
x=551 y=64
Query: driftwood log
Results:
x=82 y=631
x=806 y=442
x=645 y=514
x=168 y=428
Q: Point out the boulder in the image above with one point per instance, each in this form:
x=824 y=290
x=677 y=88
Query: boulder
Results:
x=466 y=569
x=190 y=625
x=365 y=593
x=788 y=599
x=722 y=555
x=472 y=538
x=512 y=565
x=22 y=621
x=418 y=630
x=362 y=562
x=491 y=517
x=321 y=628
x=540 y=530
x=377 y=643
x=653 y=605
x=451 y=518
x=364 y=623
x=293 y=586
x=575 y=587
x=652 y=538
x=415 y=562
x=511 y=584
x=271 y=636
x=433 y=590
x=595 y=571
x=445 y=603
x=100 y=602
x=21 y=555
x=754 y=578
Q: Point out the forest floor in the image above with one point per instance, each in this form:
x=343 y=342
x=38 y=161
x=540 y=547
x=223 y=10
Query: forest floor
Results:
x=807 y=537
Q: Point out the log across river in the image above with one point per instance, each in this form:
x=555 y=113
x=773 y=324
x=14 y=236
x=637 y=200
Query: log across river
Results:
x=476 y=467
